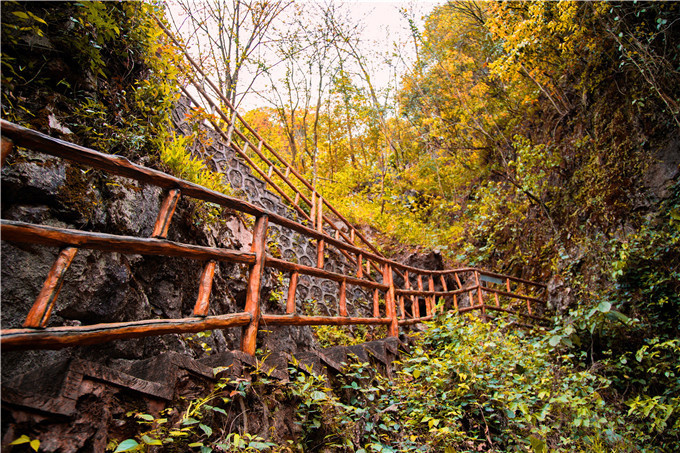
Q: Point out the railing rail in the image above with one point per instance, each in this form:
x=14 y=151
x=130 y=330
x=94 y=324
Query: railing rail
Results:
x=402 y=306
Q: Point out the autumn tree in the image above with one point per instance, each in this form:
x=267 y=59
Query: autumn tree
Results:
x=229 y=38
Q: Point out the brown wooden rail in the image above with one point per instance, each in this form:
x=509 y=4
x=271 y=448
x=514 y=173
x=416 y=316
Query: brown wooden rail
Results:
x=472 y=288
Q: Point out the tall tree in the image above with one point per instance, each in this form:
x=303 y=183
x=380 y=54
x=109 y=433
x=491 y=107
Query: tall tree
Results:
x=228 y=37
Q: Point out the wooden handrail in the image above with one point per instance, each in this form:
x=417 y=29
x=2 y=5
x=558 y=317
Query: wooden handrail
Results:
x=37 y=335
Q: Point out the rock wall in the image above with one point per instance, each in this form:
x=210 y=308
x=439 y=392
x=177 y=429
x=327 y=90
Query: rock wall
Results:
x=286 y=243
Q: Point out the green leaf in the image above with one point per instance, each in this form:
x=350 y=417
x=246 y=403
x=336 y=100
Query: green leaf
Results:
x=220 y=410
x=127 y=445
x=258 y=445
x=150 y=441
x=318 y=396
x=555 y=340
x=604 y=307
x=206 y=449
x=537 y=445
x=147 y=417
x=190 y=421
x=416 y=373
x=206 y=429
x=195 y=444
x=616 y=315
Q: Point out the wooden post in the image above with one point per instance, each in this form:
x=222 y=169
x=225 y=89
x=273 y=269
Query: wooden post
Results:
x=343 y=297
x=415 y=305
x=41 y=310
x=320 y=246
x=376 y=303
x=290 y=303
x=446 y=290
x=297 y=198
x=270 y=171
x=319 y=215
x=160 y=229
x=287 y=170
x=393 y=329
x=480 y=297
x=433 y=300
x=351 y=234
x=460 y=285
x=368 y=268
x=319 y=227
x=205 y=287
x=249 y=335
x=360 y=268
x=5 y=149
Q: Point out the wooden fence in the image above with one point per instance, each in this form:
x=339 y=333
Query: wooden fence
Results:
x=462 y=289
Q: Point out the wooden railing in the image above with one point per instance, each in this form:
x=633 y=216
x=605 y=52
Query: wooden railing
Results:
x=278 y=173
x=460 y=289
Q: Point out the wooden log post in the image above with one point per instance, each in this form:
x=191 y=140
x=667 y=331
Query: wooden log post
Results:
x=343 y=298
x=433 y=298
x=205 y=287
x=393 y=329
x=41 y=310
x=319 y=214
x=160 y=229
x=480 y=297
x=5 y=148
x=321 y=244
x=249 y=335
x=360 y=266
x=292 y=287
x=446 y=290
x=376 y=303
x=415 y=304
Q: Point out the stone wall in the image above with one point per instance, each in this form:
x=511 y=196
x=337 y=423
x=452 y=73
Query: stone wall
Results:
x=287 y=243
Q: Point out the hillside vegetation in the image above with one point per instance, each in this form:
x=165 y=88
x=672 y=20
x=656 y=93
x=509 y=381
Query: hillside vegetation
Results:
x=540 y=139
